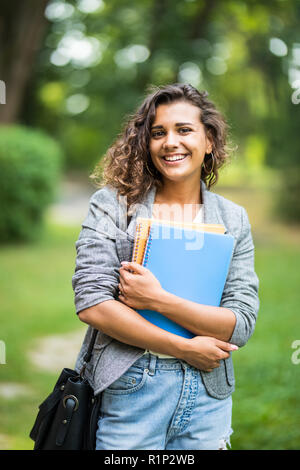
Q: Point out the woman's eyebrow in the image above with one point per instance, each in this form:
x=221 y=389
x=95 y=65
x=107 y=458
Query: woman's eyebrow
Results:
x=178 y=124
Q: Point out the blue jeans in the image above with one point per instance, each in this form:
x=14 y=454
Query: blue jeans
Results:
x=162 y=404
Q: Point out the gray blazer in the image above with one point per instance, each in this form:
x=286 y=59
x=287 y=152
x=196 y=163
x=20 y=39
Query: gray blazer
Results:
x=105 y=241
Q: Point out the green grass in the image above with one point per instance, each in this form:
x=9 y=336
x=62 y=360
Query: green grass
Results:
x=37 y=300
x=266 y=411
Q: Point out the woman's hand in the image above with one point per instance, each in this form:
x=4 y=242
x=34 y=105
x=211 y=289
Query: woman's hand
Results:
x=138 y=287
x=205 y=352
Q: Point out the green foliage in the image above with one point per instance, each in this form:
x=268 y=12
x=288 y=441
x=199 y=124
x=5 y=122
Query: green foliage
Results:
x=30 y=164
x=96 y=62
x=288 y=198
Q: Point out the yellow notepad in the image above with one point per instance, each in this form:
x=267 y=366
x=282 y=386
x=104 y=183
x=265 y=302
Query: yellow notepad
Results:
x=142 y=231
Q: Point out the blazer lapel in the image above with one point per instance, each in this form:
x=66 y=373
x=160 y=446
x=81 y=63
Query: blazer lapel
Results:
x=144 y=209
x=212 y=214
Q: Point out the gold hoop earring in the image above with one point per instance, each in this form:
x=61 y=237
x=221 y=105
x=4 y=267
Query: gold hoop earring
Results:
x=212 y=157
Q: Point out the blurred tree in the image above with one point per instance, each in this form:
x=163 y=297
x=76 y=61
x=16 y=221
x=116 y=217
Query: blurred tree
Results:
x=30 y=167
x=22 y=25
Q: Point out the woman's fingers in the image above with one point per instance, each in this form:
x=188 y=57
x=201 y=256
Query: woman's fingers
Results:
x=121 y=288
x=226 y=346
x=135 y=267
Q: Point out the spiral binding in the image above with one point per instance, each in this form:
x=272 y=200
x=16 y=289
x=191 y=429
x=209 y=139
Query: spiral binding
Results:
x=147 y=249
x=136 y=242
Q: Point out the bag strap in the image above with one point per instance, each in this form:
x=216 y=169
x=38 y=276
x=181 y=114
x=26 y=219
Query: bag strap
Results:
x=88 y=354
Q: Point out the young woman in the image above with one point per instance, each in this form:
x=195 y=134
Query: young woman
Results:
x=160 y=390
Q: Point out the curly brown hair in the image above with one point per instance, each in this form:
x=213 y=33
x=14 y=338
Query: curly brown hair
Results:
x=127 y=165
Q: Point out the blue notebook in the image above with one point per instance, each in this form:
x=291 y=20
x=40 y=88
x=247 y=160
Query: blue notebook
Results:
x=188 y=263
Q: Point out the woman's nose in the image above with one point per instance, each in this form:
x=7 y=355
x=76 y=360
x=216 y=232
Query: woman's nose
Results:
x=170 y=140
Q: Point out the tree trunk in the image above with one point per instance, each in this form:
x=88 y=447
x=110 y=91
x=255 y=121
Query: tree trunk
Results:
x=22 y=25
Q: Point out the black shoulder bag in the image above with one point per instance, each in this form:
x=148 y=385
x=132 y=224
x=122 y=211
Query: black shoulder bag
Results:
x=67 y=419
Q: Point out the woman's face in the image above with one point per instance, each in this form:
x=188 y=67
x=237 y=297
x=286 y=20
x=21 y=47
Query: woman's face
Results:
x=178 y=142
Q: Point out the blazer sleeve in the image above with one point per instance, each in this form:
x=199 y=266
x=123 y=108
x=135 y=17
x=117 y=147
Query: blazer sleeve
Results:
x=96 y=276
x=240 y=293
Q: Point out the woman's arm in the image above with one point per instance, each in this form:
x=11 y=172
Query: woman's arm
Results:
x=202 y=320
x=241 y=288
x=233 y=321
x=124 y=324
x=142 y=290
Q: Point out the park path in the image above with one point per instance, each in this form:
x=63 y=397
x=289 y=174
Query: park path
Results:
x=54 y=352
x=72 y=201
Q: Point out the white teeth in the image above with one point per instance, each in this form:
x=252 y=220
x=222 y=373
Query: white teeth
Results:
x=174 y=158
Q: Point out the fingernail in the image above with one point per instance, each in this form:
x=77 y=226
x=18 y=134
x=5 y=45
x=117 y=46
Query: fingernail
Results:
x=234 y=347
x=124 y=262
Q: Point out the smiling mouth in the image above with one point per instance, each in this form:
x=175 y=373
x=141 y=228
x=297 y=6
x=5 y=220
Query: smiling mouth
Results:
x=175 y=158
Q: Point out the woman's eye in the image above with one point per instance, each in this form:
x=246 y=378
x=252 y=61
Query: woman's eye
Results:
x=185 y=129
x=157 y=134
x=181 y=130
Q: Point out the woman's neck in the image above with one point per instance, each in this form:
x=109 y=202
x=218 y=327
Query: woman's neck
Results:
x=177 y=202
x=179 y=194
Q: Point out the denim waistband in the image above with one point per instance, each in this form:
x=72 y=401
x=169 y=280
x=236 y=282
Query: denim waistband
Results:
x=151 y=362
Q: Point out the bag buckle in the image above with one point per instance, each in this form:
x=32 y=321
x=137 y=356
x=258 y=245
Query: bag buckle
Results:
x=72 y=397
